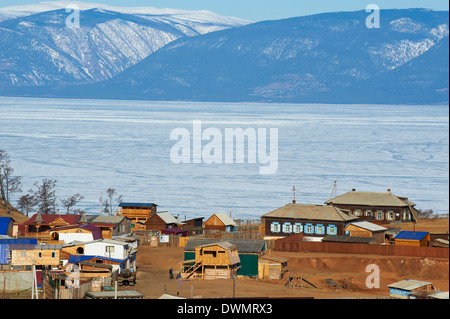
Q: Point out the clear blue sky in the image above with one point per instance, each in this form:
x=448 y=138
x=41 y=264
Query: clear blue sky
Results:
x=258 y=10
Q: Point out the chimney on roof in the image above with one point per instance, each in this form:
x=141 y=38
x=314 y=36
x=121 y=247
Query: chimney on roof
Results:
x=354 y=190
x=293 y=192
x=389 y=191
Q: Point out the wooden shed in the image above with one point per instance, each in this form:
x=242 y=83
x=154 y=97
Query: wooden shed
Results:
x=213 y=261
x=221 y=222
x=403 y=289
x=366 y=229
x=412 y=238
x=271 y=267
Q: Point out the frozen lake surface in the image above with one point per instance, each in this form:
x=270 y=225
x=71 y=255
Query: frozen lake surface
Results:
x=91 y=145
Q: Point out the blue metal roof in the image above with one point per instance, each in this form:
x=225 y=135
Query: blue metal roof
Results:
x=137 y=205
x=22 y=241
x=414 y=235
x=4 y=223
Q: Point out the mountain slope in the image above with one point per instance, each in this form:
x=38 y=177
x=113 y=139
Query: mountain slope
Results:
x=308 y=59
x=38 y=49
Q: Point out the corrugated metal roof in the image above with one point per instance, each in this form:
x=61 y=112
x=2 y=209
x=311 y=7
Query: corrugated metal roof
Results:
x=369 y=226
x=104 y=219
x=243 y=245
x=405 y=234
x=311 y=212
x=168 y=218
x=371 y=199
x=409 y=284
x=226 y=220
x=348 y=239
x=34 y=247
x=30 y=241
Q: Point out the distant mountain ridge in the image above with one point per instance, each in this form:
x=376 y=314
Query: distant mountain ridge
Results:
x=324 y=58
x=38 y=49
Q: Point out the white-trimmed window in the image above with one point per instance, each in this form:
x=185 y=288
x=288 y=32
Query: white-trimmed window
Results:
x=368 y=213
x=320 y=230
x=309 y=229
x=298 y=228
x=358 y=212
x=379 y=214
x=331 y=230
x=275 y=227
x=390 y=215
x=287 y=228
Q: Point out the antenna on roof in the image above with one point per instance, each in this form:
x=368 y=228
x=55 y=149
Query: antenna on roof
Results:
x=334 y=190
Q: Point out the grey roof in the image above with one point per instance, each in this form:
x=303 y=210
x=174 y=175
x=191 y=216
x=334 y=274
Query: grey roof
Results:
x=168 y=218
x=311 y=212
x=348 y=239
x=371 y=199
x=440 y=295
x=243 y=245
x=409 y=284
x=110 y=294
x=226 y=220
x=369 y=226
x=104 y=219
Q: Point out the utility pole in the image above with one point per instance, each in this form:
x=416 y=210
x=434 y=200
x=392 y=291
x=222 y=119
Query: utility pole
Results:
x=101 y=203
x=334 y=190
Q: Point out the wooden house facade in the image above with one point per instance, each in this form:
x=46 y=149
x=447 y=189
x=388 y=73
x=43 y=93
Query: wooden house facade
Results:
x=39 y=224
x=213 y=261
x=378 y=206
x=43 y=256
x=138 y=212
x=249 y=252
x=110 y=225
x=314 y=221
x=221 y=222
x=162 y=220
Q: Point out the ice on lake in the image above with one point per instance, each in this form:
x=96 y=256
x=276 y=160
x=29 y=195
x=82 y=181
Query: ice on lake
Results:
x=91 y=145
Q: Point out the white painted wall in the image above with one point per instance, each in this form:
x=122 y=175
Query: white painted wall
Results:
x=70 y=237
x=99 y=249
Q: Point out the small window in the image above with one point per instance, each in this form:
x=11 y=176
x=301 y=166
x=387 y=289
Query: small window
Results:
x=53 y=254
x=298 y=228
x=368 y=213
x=24 y=253
x=109 y=250
x=309 y=229
x=287 y=228
x=275 y=227
x=40 y=254
x=358 y=212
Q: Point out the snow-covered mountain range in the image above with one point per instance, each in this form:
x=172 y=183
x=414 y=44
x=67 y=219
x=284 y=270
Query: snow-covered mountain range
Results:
x=38 y=49
x=143 y=53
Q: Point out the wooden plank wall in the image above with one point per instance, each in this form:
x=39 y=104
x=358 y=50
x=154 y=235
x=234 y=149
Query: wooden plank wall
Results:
x=351 y=248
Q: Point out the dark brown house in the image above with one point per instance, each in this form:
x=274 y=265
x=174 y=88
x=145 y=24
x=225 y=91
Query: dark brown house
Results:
x=162 y=220
x=313 y=221
x=376 y=206
x=194 y=226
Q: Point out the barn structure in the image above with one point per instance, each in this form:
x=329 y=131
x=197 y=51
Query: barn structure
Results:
x=213 y=261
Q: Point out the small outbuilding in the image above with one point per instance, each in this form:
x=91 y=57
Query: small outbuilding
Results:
x=366 y=229
x=412 y=238
x=406 y=289
x=221 y=222
x=213 y=261
x=272 y=267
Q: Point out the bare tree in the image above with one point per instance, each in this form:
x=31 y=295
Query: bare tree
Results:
x=9 y=184
x=45 y=195
x=112 y=201
x=71 y=201
x=26 y=204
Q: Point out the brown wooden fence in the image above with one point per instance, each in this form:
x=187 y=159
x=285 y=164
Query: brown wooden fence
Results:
x=368 y=249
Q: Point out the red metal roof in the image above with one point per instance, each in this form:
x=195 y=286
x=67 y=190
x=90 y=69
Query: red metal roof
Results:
x=48 y=218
